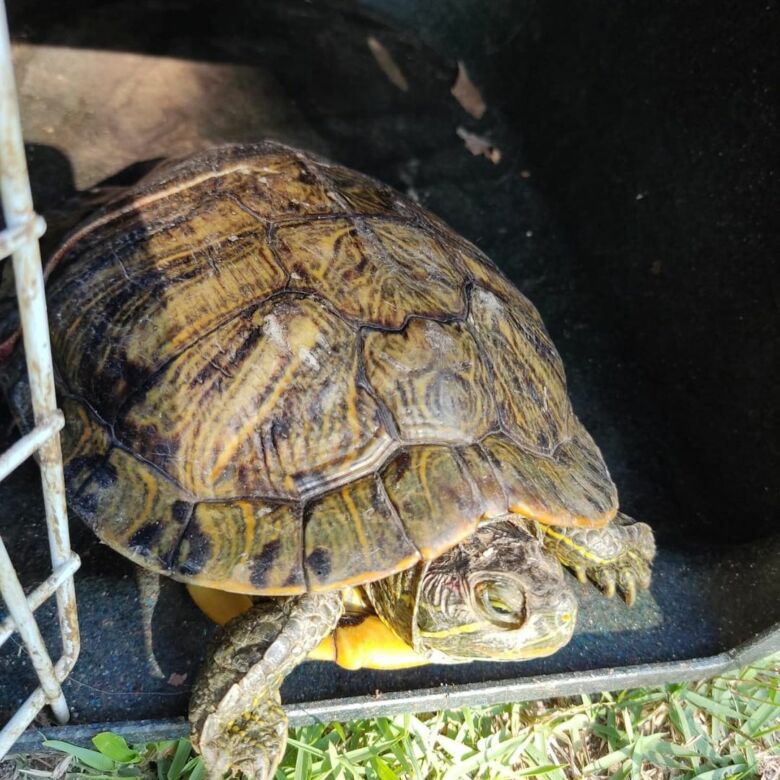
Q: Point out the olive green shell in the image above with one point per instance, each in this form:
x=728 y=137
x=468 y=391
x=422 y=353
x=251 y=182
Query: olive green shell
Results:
x=280 y=375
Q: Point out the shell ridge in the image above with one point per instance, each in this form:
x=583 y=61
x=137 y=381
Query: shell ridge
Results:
x=138 y=198
x=233 y=198
x=295 y=220
x=315 y=170
x=270 y=241
x=386 y=414
x=484 y=354
x=469 y=477
x=120 y=445
x=487 y=459
x=395 y=513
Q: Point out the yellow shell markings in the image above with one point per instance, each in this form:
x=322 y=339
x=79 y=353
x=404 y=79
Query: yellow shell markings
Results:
x=84 y=442
x=272 y=172
x=427 y=484
x=354 y=534
x=530 y=385
x=243 y=546
x=482 y=472
x=226 y=330
x=133 y=509
x=144 y=302
x=284 y=186
x=172 y=180
x=192 y=217
x=293 y=360
x=81 y=436
x=362 y=195
x=225 y=409
x=250 y=525
x=431 y=377
x=572 y=488
x=374 y=271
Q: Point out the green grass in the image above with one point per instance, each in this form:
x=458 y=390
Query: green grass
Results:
x=727 y=727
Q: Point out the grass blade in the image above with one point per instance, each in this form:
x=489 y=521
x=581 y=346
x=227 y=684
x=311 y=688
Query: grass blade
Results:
x=180 y=758
x=114 y=747
x=90 y=758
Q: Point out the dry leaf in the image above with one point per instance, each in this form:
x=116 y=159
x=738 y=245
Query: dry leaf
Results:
x=467 y=94
x=388 y=65
x=177 y=679
x=478 y=144
x=62 y=767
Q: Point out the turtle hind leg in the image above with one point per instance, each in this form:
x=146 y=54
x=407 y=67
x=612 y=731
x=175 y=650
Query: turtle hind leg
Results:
x=616 y=557
x=237 y=719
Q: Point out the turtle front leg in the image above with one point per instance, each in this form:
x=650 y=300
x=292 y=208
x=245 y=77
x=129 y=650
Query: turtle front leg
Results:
x=236 y=714
x=616 y=557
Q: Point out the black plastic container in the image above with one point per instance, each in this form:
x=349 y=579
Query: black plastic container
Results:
x=631 y=203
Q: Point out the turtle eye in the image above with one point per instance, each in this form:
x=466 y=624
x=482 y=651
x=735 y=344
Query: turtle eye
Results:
x=493 y=602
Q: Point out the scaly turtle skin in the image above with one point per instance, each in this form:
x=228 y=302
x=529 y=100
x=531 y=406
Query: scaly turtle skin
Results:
x=282 y=378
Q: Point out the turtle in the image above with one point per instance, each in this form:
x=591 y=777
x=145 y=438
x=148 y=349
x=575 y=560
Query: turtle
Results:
x=287 y=383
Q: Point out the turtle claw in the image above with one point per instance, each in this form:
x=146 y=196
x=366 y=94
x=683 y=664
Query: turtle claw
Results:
x=616 y=558
x=627 y=586
x=607 y=582
x=643 y=577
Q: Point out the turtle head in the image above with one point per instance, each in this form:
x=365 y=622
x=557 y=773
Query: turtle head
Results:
x=496 y=596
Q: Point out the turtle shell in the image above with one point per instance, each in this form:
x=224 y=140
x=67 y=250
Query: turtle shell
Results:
x=280 y=375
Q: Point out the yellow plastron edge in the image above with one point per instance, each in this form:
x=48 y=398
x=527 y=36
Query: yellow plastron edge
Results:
x=369 y=644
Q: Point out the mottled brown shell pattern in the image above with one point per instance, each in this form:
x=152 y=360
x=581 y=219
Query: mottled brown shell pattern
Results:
x=281 y=375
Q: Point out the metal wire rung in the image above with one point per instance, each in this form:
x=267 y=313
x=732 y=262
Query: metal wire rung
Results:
x=21 y=613
x=15 y=455
x=20 y=240
x=14 y=238
x=44 y=591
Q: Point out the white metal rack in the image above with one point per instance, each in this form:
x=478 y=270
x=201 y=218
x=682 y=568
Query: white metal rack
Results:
x=20 y=241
